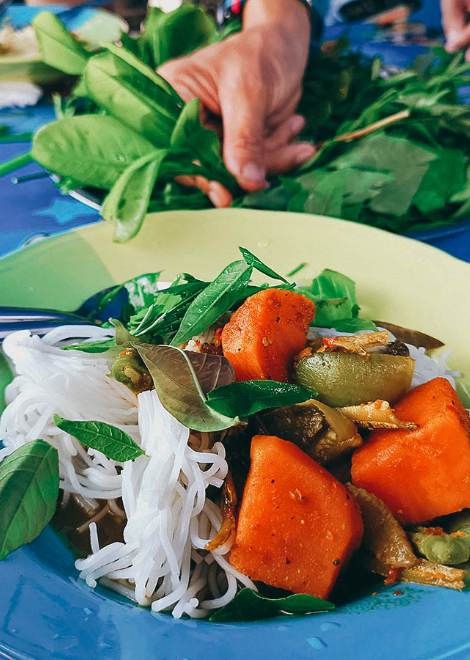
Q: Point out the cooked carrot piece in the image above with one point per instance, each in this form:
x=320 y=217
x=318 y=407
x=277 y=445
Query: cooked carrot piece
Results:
x=266 y=332
x=297 y=524
x=423 y=473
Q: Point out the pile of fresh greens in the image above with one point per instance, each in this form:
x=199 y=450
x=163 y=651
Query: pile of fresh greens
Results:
x=394 y=151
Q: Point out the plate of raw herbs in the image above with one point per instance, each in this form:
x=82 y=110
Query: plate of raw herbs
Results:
x=257 y=444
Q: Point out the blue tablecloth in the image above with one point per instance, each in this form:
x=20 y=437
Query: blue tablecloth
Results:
x=36 y=209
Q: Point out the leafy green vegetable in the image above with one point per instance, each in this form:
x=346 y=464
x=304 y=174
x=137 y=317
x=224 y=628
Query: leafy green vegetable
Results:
x=99 y=346
x=92 y=149
x=257 y=264
x=109 y=440
x=136 y=99
x=58 y=47
x=334 y=295
x=142 y=290
x=216 y=299
x=251 y=606
x=252 y=396
x=29 y=488
x=179 y=390
x=127 y=202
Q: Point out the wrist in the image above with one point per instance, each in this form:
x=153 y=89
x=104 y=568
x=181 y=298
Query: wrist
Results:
x=290 y=19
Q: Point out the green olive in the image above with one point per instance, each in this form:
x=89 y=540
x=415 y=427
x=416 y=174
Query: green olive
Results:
x=346 y=379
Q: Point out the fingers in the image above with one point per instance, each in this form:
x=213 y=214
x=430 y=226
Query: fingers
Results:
x=243 y=117
x=215 y=191
x=454 y=19
x=285 y=132
x=288 y=157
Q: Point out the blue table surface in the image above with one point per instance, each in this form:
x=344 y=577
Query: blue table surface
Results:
x=36 y=209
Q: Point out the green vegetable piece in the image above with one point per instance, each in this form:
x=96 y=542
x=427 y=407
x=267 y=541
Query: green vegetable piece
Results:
x=129 y=370
x=58 y=47
x=443 y=549
x=346 y=379
x=15 y=163
x=109 y=440
x=100 y=346
x=93 y=150
x=251 y=606
x=142 y=290
x=132 y=97
x=257 y=264
x=252 y=396
x=29 y=488
x=179 y=390
x=216 y=299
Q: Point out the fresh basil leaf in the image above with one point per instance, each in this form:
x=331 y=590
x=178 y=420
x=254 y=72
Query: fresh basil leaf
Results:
x=109 y=440
x=178 y=388
x=58 y=47
x=100 y=346
x=216 y=299
x=251 y=606
x=91 y=149
x=212 y=371
x=127 y=202
x=29 y=488
x=252 y=396
x=132 y=97
x=257 y=264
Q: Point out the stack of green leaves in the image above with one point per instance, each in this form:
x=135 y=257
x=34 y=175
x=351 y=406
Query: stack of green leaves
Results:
x=394 y=151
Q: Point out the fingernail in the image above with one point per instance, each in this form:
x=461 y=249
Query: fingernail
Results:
x=252 y=172
x=451 y=42
x=297 y=123
x=304 y=153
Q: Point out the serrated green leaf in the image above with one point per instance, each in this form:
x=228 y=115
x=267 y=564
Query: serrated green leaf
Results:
x=29 y=488
x=109 y=440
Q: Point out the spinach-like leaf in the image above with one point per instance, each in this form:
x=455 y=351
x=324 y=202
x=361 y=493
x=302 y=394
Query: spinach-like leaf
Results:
x=252 y=396
x=179 y=32
x=58 y=47
x=131 y=96
x=189 y=133
x=29 y=488
x=142 y=290
x=334 y=295
x=127 y=202
x=252 y=260
x=92 y=149
x=109 y=440
x=352 y=325
x=178 y=388
x=216 y=299
x=251 y=606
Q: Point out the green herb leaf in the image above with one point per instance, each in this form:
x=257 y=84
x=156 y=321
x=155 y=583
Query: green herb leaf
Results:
x=99 y=346
x=251 y=606
x=91 y=149
x=142 y=290
x=257 y=264
x=127 y=202
x=216 y=299
x=109 y=440
x=139 y=100
x=179 y=390
x=29 y=488
x=252 y=396
x=58 y=47
x=334 y=295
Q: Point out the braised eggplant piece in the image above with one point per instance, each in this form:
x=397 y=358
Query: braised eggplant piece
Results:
x=347 y=379
x=323 y=433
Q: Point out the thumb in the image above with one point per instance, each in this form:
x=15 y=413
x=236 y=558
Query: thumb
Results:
x=243 y=117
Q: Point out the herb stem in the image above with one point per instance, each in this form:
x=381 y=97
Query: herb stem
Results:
x=377 y=125
x=15 y=163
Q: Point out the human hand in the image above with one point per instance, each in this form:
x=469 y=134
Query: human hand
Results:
x=253 y=82
x=456 y=23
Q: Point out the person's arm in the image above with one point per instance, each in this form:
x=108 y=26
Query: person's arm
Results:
x=253 y=81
